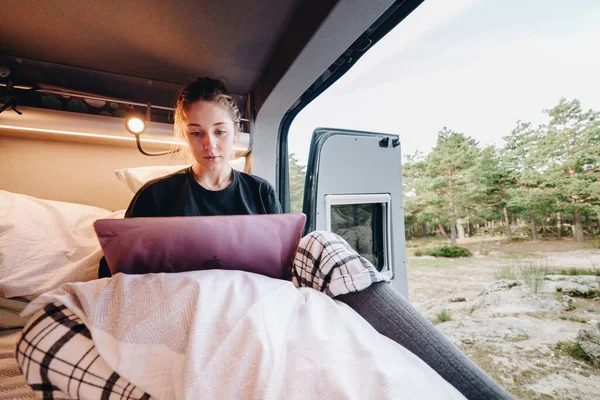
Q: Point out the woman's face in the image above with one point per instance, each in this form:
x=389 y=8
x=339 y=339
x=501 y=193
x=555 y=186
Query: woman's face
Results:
x=210 y=134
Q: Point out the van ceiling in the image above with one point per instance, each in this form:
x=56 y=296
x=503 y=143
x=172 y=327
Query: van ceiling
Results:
x=82 y=44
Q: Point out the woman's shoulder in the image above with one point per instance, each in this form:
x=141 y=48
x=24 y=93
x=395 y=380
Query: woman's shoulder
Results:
x=253 y=180
x=167 y=181
x=151 y=198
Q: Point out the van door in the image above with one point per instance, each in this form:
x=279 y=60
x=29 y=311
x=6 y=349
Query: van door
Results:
x=354 y=188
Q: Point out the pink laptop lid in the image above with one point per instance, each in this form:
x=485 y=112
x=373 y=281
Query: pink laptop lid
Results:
x=264 y=244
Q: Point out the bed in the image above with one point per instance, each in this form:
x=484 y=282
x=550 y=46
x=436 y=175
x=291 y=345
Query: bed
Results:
x=12 y=382
x=36 y=234
x=207 y=334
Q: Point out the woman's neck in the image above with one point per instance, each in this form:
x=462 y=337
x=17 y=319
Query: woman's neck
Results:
x=213 y=180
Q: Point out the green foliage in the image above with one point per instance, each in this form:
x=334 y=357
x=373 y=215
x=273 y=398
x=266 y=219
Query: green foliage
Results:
x=530 y=269
x=438 y=188
x=507 y=271
x=570 y=147
x=442 y=316
x=533 y=274
x=570 y=305
x=547 y=176
x=519 y=337
x=574 y=350
x=574 y=319
x=577 y=271
x=449 y=251
x=418 y=253
x=297 y=180
x=590 y=294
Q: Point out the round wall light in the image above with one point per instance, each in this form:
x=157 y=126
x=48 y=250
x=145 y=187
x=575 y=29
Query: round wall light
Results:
x=135 y=125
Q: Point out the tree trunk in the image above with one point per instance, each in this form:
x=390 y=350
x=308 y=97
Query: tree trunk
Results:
x=577 y=228
x=543 y=228
x=452 y=213
x=443 y=231
x=461 y=228
x=558 y=225
x=587 y=219
x=534 y=235
x=424 y=227
x=453 y=241
x=507 y=222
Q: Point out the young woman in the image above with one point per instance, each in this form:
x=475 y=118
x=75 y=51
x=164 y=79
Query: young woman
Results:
x=207 y=118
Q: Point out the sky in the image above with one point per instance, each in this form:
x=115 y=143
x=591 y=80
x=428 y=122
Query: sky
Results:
x=474 y=66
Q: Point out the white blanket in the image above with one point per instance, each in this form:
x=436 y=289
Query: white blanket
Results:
x=236 y=335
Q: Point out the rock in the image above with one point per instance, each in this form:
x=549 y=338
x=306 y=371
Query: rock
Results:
x=568 y=303
x=508 y=330
x=573 y=289
x=486 y=330
x=589 y=341
x=510 y=297
x=501 y=285
x=574 y=286
x=586 y=280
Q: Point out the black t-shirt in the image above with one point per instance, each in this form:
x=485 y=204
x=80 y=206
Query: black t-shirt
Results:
x=179 y=194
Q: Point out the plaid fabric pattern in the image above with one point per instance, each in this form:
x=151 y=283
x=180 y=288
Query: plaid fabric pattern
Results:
x=59 y=360
x=326 y=262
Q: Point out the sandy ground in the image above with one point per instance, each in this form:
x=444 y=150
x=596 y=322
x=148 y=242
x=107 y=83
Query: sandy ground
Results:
x=511 y=332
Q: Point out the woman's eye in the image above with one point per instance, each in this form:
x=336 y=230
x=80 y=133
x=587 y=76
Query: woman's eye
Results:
x=221 y=132
x=196 y=133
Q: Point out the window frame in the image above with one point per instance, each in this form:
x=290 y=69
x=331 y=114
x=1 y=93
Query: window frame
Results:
x=363 y=199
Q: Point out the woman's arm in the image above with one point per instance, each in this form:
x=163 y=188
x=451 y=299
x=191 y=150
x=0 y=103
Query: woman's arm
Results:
x=143 y=204
x=272 y=205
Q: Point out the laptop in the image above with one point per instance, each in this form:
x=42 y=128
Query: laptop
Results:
x=263 y=244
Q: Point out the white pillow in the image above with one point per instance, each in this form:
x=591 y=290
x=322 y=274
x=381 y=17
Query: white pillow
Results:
x=44 y=244
x=135 y=178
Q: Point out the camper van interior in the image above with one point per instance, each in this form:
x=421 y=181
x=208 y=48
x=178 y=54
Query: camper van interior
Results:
x=86 y=119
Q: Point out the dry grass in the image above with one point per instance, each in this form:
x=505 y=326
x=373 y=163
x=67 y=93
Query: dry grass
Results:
x=531 y=269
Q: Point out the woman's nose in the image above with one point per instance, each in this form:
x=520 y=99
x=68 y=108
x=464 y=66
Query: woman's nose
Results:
x=209 y=141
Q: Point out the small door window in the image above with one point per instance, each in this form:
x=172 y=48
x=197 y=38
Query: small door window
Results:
x=364 y=222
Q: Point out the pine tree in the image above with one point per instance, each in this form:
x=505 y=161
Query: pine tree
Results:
x=494 y=183
x=448 y=176
x=297 y=181
x=570 y=146
x=418 y=205
x=523 y=165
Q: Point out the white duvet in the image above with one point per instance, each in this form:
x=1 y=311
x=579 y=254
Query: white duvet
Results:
x=236 y=335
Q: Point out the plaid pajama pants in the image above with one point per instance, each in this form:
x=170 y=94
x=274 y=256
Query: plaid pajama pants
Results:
x=58 y=357
x=327 y=263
